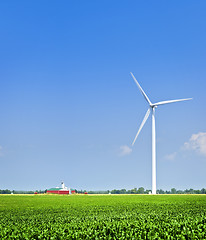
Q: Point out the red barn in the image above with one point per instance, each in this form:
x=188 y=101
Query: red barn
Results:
x=58 y=191
x=62 y=190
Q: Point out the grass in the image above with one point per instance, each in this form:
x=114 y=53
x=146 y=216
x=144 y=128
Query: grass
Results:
x=103 y=217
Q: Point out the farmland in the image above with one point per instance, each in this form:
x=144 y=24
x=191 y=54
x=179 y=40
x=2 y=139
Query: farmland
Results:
x=103 y=217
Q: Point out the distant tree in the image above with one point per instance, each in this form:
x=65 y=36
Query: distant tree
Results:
x=203 y=191
x=140 y=190
x=123 y=191
x=134 y=190
x=180 y=192
x=6 y=191
x=23 y=192
x=147 y=191
x=114 y=191
x=191 y=191
x=161 y=191
x=186 y=191
x=173 y=191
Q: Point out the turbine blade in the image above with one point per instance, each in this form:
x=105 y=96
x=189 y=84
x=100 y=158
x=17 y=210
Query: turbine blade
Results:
x=142 y=124
x=170 y=101
x=141 y=90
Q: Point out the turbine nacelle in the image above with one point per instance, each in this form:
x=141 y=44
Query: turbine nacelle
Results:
x=153 y=106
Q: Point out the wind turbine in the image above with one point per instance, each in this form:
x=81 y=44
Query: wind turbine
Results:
x=152 y=107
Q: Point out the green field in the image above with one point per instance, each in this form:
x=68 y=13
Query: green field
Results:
x=103 y=217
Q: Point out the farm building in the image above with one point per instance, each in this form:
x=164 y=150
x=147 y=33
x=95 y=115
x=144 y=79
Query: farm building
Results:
x=62 y=190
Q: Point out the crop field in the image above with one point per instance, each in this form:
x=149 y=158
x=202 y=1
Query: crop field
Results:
x=103 y=217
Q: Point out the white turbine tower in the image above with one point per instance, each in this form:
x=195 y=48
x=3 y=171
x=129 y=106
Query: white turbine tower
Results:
x=152 y=107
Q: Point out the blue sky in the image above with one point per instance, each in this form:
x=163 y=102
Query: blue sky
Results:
x=70 y=109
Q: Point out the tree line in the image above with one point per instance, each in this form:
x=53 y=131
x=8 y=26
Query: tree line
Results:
x=140 y=190
x=7 y=191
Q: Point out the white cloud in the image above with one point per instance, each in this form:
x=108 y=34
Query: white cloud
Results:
x=125 y=150
x=171 y=156
x=197 y=143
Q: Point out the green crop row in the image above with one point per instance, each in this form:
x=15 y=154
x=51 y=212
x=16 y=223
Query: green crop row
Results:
x=103 y=217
